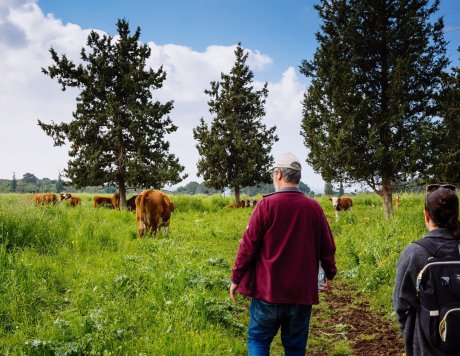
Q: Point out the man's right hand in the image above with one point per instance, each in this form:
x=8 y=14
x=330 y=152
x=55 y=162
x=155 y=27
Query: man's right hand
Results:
x=232 y=292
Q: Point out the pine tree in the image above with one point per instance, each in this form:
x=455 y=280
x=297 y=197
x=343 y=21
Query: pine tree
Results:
x=235 y=149
x=448 y=166
x=14 y=183
x=369 y=112
x=59 y=184
x=117 y=134
x=328 y=188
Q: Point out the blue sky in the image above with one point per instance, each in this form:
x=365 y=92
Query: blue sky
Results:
x=193 y=40
x=284 y=29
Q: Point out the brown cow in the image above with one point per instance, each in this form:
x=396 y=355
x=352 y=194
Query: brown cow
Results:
x=65 y=196
x=74 y=201
x=339 y=204
x=241 y=204
x=153 y=211
x=111 y=203
x=131 y=203
x=45 y=198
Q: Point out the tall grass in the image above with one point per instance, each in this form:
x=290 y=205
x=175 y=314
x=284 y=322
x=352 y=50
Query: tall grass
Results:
x=368 y=246
x=80 y=281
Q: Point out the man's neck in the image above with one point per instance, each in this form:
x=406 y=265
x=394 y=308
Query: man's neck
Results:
x=284 y=185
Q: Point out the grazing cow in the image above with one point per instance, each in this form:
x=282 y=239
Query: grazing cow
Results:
x=45 y=198
x=131 y=203
x=339 y=204
x=65 y=196
x=74 y=201
x=116 y=201
x=254 y=202
x=241 y=204
x=153 y=211
x=111 y=203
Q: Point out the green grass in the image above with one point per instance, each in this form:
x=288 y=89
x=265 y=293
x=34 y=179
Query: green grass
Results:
x=79 y=280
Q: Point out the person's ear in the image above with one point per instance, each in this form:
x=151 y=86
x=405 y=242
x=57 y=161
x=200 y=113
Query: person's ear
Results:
x=279 y=175
x=427 y=217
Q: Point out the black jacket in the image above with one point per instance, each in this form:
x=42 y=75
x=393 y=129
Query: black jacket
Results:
x=405 y=299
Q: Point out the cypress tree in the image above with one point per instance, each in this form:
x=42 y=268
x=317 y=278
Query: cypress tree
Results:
x=117 y=134
x=235 y=149
x=369 y=114
x=448 y=162
x=14 y=183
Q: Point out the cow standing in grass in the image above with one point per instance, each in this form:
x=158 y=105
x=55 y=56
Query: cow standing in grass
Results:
x=339 y=204
x=153 y=211
x=111 y=203
x=74 y=200
x=131 y=203
x=45 y=198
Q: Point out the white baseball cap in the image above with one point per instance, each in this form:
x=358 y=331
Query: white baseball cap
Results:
x=287 y=160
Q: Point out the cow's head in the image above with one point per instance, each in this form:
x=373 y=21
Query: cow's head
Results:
x=335 y=202
x=65 y=196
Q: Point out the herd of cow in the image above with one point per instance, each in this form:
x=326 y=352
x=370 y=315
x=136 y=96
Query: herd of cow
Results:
x=243 y=204
x=153 y=208
x=51 y=198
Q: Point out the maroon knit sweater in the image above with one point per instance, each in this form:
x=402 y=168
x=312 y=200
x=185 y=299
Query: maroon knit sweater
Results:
x=286 y=238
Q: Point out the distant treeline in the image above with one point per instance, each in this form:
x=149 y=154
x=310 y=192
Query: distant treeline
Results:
x=31 y=184
x=200 y=188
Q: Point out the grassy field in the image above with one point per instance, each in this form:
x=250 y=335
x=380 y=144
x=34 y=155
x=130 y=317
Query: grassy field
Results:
x=79 y=281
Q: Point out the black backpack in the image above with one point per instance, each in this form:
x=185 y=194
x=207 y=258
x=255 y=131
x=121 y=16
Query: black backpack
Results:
x=438 y=289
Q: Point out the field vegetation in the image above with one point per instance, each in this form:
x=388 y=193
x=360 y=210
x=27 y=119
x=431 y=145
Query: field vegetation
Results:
x=79 y=280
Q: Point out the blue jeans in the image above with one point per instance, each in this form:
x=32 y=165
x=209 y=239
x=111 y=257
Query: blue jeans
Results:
x=267 y=318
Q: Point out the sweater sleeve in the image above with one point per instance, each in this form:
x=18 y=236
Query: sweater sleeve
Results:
x=327 y=249
x=250 y=243
x=405 y=299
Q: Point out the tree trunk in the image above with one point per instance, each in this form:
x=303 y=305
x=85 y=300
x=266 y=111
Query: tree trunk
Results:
x=237 y=195
x=121 y=173
x=122 y=192
x=387 y=199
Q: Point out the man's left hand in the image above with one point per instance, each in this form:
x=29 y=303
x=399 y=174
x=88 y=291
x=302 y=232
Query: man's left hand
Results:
x=327 y=286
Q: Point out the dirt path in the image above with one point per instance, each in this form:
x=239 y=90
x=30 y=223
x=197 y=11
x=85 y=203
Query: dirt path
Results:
x=344 y=325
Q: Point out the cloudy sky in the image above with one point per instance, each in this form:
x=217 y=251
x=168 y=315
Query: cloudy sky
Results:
x=193 y=40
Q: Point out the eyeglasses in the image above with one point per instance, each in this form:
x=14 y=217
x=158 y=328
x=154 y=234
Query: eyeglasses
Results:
x=432 y=187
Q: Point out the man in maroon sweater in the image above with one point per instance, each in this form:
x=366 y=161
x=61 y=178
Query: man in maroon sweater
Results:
x=277 y=262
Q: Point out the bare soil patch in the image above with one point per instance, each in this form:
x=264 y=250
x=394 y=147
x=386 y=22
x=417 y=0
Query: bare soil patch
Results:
x=350 y=318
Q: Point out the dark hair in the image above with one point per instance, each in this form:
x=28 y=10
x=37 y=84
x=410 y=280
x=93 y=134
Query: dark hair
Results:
x=442 y=207
x=290 y=175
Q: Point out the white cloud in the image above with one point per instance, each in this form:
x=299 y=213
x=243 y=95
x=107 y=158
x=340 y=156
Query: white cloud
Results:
x=26 y=94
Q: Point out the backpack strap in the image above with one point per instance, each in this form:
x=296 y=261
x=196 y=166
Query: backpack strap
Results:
x=432 y=247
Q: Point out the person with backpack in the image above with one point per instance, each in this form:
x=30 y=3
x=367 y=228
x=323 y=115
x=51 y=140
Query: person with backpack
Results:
x=426 y=293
